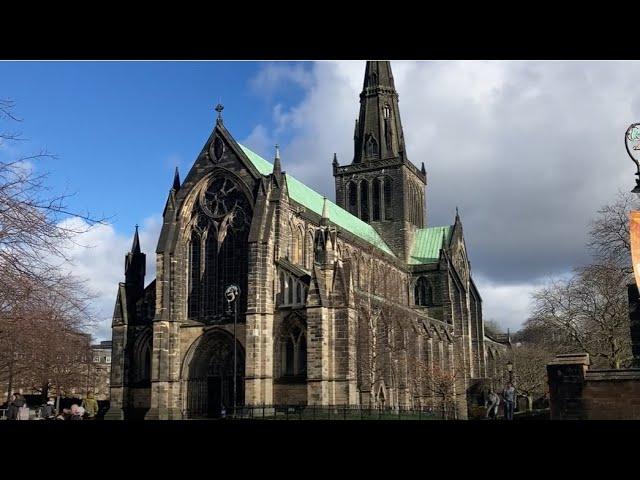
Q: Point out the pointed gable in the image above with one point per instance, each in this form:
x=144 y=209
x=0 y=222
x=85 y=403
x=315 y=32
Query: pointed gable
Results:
x=427 y=244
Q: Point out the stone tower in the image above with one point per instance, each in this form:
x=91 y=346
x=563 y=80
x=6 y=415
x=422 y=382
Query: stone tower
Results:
x=381 y=186
x=134 y=272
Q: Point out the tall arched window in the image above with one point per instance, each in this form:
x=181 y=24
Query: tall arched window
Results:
x=364 y=200
x=293 y=349
x=352 y=198
x=375 y=194
x=291 y=288
x=388 y=215
x=282 y=297
x=423 y=293
x=308 y=247
x=224 y=216
x=371 y=147
x=194 y=276
x=296 y=248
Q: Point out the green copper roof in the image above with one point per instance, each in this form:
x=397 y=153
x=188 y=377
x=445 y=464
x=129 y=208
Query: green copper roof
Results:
x=312 y=200
x=427 y=244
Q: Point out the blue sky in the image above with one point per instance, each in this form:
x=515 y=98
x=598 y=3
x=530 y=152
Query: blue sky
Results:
x=119 y=129
x=528 y=150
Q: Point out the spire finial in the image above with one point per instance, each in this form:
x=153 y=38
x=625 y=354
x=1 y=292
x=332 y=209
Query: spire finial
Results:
x=277 y=167
x=335 y=159
x=135 y=247
x=219 y=108
x=176 y=180
x=325 y=210
x=424 y=170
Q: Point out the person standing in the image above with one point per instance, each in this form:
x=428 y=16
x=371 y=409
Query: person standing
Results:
x=48 y=411
x=12 y=410
x=509 y=397
x=16 y=407
x=90 y=405
x=493 y=401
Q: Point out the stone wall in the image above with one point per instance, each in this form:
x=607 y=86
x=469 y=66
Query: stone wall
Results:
x=578 y=393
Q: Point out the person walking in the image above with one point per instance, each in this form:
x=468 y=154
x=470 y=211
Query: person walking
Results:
x=493 y=401
x=90 y=405
x=509 y=397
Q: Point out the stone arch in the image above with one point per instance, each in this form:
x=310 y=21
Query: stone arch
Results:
x=291 y=348
x=387 y=197
x=142 y=349
x=308 y=249
x=215 y=238
x=376 y=200
x=207 y=374
x=352 y=197
x=364 y=200
x=371 y=146
x=423 y=292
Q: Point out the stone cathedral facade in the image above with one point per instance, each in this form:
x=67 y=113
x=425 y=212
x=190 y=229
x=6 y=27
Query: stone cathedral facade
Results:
x=356 y=302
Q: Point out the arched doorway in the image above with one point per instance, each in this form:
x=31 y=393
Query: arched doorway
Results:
x=210 y=381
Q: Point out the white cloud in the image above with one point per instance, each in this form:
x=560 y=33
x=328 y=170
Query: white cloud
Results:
x=97 y=256
x=528 y=150
x=274 y=77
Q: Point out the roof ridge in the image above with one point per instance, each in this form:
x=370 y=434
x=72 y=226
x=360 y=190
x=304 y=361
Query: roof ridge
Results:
x=337 y=215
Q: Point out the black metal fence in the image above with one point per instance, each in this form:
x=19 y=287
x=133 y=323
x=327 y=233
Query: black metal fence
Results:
x=330 y=412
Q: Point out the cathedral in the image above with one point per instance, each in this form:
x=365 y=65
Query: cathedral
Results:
x=356 y=302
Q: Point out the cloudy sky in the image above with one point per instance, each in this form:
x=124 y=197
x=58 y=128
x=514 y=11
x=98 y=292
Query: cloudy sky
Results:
x=527 y=150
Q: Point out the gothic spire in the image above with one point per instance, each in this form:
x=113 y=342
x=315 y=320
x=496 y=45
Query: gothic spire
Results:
x=135 y=247
x=378 y=132
x=176 y=180
x=325 y=212
x=277 y=167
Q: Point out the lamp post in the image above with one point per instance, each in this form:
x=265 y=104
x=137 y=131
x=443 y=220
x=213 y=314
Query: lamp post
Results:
x=632 y=136
x=232 y=294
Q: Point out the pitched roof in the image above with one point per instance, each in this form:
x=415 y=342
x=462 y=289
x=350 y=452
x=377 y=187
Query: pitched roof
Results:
x=427 y=244
x=312 y=200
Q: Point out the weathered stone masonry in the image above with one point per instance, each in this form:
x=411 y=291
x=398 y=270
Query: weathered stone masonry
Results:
x=340 y=304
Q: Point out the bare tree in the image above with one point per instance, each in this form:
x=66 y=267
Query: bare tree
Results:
x=440 y=384
x=591 y=311
x=43 y=310
x=609 y=232
x=530 y=376
x=492 y=327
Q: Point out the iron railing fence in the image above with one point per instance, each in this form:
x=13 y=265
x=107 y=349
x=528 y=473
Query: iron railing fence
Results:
x=331 y=412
